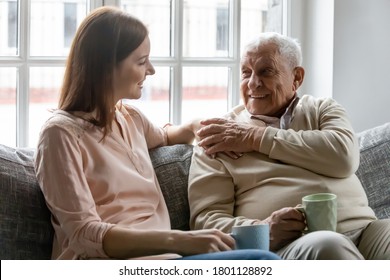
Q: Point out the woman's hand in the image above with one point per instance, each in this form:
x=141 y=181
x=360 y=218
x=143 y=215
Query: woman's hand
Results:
x=201 y=241
x=122 y=243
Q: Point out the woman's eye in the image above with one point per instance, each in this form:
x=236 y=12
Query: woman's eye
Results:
x=143 y=61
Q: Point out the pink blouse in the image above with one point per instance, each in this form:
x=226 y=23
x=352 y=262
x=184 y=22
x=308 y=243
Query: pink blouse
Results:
x=91 y=184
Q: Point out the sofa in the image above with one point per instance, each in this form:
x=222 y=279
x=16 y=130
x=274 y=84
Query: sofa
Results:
x=25 y=227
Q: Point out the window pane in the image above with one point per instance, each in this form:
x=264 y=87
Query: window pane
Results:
x=70 y=22
x=255 y=18
x=45 y=84
x=205 y=91
x=156 y=14
x=206 y=28
x=154 y=102
x=53 y=25
x=8 y=106
x=8 y=27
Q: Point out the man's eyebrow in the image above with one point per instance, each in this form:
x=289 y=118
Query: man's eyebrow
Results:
x=267 y=62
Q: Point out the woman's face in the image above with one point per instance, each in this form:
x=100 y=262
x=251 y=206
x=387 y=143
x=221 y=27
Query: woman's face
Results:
x=131 y=72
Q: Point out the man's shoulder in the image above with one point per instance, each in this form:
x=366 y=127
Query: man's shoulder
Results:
x=237 y=113
x=309 y=101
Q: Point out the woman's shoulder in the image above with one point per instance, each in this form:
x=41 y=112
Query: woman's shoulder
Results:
x=62 y=122
x=132 y=112
x=128 y=109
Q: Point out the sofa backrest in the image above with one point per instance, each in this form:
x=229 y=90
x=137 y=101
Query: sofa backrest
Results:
x=26 y=231
x=172 y=164
x=374 y=168
x=25 y=228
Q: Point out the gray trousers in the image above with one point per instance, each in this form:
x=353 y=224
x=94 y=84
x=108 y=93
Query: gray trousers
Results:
x=372 y=242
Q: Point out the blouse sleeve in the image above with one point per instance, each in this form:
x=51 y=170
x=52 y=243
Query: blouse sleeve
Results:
x=155 y=136
x=59 y=169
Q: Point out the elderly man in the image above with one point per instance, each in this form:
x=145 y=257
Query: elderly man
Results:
x=285 y=148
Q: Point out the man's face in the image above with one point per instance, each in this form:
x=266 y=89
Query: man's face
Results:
x=268 y=83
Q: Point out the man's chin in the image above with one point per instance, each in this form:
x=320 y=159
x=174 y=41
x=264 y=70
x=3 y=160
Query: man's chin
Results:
x=256 y=110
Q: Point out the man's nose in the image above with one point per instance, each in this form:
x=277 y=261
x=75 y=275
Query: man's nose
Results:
x=254 y=82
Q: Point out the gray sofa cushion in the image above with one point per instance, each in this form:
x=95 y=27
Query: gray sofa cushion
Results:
x=25 y=228
x=172 y=164
x=374 y=168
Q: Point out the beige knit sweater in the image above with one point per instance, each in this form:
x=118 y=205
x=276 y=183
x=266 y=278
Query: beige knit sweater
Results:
x=317 y=153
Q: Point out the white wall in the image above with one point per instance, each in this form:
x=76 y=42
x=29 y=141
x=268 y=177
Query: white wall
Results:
x=346 y=52
x=312 y=24
x=361 y=76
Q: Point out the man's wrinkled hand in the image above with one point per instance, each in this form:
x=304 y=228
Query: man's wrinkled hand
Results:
x=285 y=225
x=222 y=135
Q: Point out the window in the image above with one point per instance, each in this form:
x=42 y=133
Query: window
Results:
x=32 y=63
x=70 y=22
x=195 y=48
x=197 y=44
x=222 y=29
x=12 y=27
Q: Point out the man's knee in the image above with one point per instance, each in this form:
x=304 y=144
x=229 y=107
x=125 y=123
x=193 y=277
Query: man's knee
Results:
x=323 y=245
x=375 y=240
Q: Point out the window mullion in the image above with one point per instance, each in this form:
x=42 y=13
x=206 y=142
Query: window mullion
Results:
x=22 y=108
x=286 y=18
x=234 y=79
x=93 y=4
x=176 y=84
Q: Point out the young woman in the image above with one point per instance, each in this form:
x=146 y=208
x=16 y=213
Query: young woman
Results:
x=92 y=159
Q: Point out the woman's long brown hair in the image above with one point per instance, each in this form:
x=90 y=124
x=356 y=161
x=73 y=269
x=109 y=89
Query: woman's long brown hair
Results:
x=105 y=38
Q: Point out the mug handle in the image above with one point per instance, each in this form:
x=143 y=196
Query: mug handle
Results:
x=234 y=236
x=301 y=209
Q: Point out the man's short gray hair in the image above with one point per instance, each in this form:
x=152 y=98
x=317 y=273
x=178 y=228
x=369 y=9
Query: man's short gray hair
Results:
x=287 y=46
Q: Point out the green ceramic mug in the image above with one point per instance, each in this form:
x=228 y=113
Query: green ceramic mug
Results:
x=320 y=211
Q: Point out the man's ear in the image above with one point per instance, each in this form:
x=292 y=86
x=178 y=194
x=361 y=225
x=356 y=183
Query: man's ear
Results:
x=299 y=74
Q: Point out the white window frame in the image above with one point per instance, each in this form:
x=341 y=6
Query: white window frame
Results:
x=23 y=61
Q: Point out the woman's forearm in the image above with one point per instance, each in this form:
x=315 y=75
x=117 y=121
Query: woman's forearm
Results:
x=182 y=134
x=124 y=243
